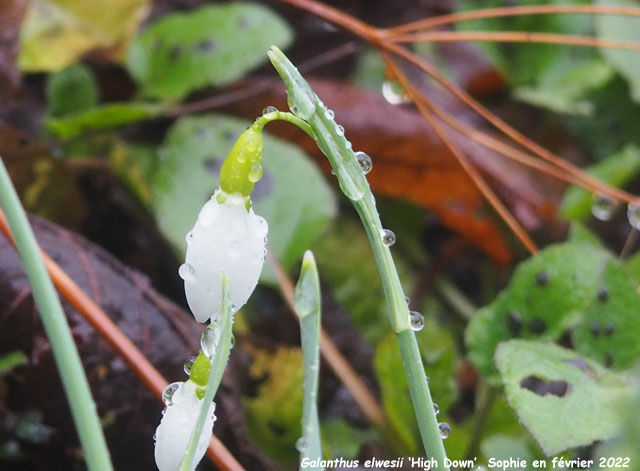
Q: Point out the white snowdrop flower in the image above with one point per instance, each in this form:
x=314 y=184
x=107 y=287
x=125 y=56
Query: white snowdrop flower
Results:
x=173 y=434
x=229 y=238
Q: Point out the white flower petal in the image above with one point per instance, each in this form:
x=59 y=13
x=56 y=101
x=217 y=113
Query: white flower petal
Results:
x=173 y=433
x=226 y=238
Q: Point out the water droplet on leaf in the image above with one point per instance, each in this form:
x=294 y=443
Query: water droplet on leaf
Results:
x=209 y=340
x=388 y=237
x=301 y=444
x=365 y=162
x=255 y=172
x=416 y=320
x=445 y=429
x=339 y=130
x=329 y=114
x=436 y=408
x=269 y=109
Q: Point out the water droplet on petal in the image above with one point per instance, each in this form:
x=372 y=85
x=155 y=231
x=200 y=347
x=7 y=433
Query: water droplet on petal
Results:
x=168 y=393
x=186 y=272
x=393 y=92
x=436 y=408
x=301 y=444
x=633 y=214
x=188 y=364
x=445 y=429
x=428 y=379
x=209 y=340
x=189 y=237
x=365 y=162
x=255 y=172
x=603 y=207
x=339 y=130
x=329 y=114
x=416 y=320
x=388 y=237
x=269 y=109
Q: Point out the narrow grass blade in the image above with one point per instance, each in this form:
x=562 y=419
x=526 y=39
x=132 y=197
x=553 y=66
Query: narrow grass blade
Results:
x=307 y=303
x=74 y=380
x=218 y=365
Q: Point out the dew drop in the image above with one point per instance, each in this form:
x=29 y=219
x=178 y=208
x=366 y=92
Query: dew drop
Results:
x=602 y=207
x=542 y=278
x=436 y=408
x=514 y=321
x=445 y=429
x=269 y=109
x=209 y=340
x=329 y=114
x=301 y=444
x=407 y=299
x=393 y=92
x=388 y=237
x=339 y=130
x=169 y=392
x=365 y=162
x=186 y=272
x=633 y=214
x=292 y=107
x=428 y=379
x=603 y=294
x=188 y=364
x=242 y=156
x=189 y=237
x=416 y=320
x=255 y=172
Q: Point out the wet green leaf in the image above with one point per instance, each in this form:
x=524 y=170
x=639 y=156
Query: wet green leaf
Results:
x=530 y=64
x=209 y=46
x=621 y=28
x=564 y=400
x=610 y=329
x=71 y=91
x=292 y=195
x=274 y=415
x=563 y=88
x=548 y=294
x=616 y=170
x=55 y=33
x=340 y=439
x=101 y=117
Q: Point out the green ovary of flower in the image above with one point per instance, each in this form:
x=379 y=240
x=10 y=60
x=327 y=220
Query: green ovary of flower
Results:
x=243 y=166
x=200 y=370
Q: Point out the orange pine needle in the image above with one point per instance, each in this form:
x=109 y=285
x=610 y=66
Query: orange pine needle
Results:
x=108 y=330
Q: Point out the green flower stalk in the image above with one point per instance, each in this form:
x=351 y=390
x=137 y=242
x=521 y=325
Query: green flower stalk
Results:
x=350 y=168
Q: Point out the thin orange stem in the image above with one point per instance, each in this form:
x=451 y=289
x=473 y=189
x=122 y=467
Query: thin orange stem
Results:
x=334 y=358
x=503 y=148
x=473 y=173
x=515 y=37
x=440 y=20
x=108 y=330
x=505 y=128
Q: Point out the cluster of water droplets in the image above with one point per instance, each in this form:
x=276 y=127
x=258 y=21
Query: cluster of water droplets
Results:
x=604 y=206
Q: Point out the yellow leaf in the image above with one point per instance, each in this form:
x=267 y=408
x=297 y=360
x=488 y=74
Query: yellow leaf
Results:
x=55 y=33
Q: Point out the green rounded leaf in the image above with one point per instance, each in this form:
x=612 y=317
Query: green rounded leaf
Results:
x=212 y=45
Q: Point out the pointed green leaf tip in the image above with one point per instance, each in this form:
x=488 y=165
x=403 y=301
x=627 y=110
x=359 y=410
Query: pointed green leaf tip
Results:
x=243 y=166
x=302 y=99
x=307 y=292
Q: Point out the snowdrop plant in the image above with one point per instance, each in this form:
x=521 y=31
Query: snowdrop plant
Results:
x=226 y=249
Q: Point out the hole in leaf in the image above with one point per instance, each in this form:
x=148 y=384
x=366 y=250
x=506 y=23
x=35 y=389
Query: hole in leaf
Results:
x=538 y=326
x=542 y=386
x=542 y=278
